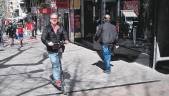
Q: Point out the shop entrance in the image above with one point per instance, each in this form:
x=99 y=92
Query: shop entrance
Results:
x=93 y=12
x=161 y=44
x=88 y=21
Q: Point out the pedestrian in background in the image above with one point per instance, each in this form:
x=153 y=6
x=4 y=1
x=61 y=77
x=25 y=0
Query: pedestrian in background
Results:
x=29 y=29
x=11 y=32
x=106 y=35
x=34 y=30
x=19 y=33
x=52 y=35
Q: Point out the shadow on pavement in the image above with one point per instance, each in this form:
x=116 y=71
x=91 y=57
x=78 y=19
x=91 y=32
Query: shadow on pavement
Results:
x=100 y=64
x=20 y=94
x=70 y=93
x=66 y=75
x=28 y=64
x=122 y=54
x=11 y=57
x=125 y=57
x=31 y=72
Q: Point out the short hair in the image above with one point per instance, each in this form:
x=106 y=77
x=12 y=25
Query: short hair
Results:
x=54 y=14
x=107 y=17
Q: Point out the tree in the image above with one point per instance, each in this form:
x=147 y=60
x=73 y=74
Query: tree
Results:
x=2 y=8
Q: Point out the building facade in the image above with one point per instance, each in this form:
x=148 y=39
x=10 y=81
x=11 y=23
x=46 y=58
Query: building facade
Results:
x=79 y=18
x=13 y=8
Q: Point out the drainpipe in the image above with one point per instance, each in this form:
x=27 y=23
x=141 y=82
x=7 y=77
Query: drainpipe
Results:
x=82 y=17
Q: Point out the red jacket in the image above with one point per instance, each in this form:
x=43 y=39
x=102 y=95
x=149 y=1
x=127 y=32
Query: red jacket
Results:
x=29 y=26
x=20 y=30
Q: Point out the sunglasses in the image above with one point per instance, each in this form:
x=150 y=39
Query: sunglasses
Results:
x=53 y=18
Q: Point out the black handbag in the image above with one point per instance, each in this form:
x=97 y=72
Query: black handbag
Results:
x=59 y=46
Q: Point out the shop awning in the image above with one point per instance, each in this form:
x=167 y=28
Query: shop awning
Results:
x=128 y=13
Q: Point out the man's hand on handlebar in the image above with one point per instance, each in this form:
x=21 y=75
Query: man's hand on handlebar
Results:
x=50 y=44
x=66 y=42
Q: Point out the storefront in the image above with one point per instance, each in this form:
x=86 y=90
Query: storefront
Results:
x=75 y=20
x=93 y=11
x=160 y=29
x=61 y=7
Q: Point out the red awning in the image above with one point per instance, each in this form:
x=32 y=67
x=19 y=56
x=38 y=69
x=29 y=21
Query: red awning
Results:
x=46 y=11
x=62 y=3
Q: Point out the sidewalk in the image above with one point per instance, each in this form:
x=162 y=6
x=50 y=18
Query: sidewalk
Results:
x=26 y=72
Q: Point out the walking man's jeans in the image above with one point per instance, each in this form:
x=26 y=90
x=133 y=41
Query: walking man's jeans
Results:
x=106 y=56
x=56 y=65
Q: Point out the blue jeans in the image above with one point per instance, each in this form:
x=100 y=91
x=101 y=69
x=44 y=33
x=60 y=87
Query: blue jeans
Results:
x=106 y=50
x=56 y=65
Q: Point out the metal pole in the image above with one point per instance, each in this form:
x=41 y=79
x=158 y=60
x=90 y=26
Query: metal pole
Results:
x=103 y=8
x=118 y=8
x=82 y=17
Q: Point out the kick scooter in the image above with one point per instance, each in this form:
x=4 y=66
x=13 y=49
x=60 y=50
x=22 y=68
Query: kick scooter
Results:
x=63 y=83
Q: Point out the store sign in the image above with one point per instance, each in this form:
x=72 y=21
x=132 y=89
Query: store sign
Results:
x=75 y=4
x=46 y=11
x=62 y=3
